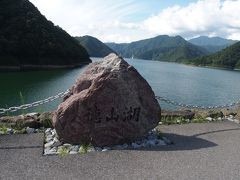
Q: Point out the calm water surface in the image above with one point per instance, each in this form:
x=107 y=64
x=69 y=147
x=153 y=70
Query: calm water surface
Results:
x=186 y=84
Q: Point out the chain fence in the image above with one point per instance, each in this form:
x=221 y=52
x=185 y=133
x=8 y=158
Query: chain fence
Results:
x=34 y=104
x=62 y=94
x=172 y=102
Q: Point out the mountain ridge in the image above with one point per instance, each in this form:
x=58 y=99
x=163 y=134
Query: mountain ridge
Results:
x=212 y=44
x=162 y=48
x=94 y=46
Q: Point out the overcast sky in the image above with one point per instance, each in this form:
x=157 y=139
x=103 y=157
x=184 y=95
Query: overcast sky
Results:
x=131 y=20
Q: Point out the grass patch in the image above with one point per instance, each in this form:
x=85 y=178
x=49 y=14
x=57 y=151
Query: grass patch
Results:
x=63 y=151
x=47 y=123
x=178 y=120
x=84 y=148
x=174 y=120
x=3 y=129
x=199 y=120
x=16 y=129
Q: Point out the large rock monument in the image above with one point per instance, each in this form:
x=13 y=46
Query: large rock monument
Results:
x=110 y=103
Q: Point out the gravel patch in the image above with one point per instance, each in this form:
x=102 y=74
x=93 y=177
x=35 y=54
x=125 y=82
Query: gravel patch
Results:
x=52 y=146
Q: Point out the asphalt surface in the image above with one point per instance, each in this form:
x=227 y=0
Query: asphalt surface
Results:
x=201 y=151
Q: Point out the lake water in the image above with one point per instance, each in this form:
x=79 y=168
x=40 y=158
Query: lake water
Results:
x=185 y=84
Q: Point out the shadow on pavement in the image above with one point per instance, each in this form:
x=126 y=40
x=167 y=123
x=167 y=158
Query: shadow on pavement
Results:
x=183 y=143
x=222 y=130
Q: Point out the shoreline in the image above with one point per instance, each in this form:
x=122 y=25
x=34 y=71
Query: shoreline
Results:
x=29 y=67
x=212 y=67
x=192 y=65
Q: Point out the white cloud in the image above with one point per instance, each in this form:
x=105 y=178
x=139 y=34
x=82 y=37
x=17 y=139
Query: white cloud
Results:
x=115 y=20
x=107 y=20
x=204 y=17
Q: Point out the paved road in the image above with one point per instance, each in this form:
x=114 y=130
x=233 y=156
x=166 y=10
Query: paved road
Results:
x=201 y=151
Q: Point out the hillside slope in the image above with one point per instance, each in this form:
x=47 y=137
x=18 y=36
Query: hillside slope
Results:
x=226 y=58
x=28 y=38
x=94 y=47
x=162 y=48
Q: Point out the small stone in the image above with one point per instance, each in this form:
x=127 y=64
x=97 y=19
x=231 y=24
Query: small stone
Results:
x=91 y=149
x=49 y=138
x=104 y=150
x=1 y=132
x=144 y=144
x=48 y=130
x=135 y=145
x=49 y=144
x=98 y=149
x=151 y=137
x=75 y=148
x=152 y=142
x=125 y=145
x=209 y=118
x=118 y=147
x=230 y=119
x=30 y=130
x=108 y=148
x=9 y=131
x=54 y=149
x=161 y=142
x=73 y=152
x=236 y=121
x=56 y=143
x=49 y=151
x=138 y=142
x=219 y=118
x=166 y=140
x=160 y=123
x=54 y=132
x=67 y=145
x=55 y=139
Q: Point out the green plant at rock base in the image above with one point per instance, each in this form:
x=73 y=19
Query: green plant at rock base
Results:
x=3 y=129
x=63 y=151
x=84 y=148
x=47 y=123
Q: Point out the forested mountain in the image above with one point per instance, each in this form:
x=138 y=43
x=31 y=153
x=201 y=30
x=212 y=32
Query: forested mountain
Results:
x=226 y=58
x=212 y=44
x=94 y=47
x=28 y=38
x=162 y=48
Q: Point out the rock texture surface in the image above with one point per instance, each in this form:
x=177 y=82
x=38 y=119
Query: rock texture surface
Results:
x=111 y=103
